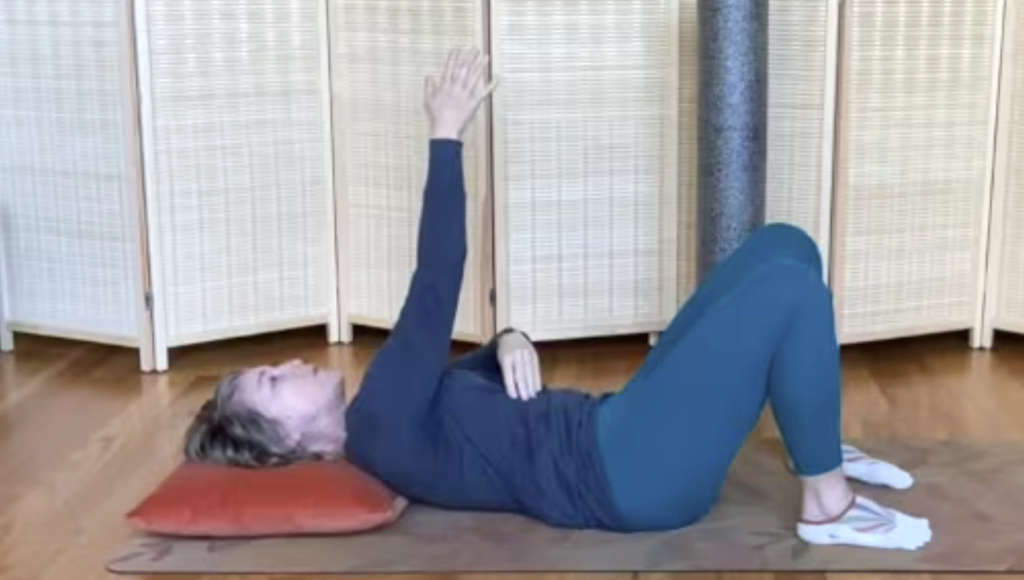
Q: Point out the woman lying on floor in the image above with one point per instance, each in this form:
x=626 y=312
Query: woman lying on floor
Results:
x=481 y=433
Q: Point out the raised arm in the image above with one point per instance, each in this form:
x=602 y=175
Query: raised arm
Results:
x=406 y=371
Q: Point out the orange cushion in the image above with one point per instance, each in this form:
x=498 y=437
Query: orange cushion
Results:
x=306 y=498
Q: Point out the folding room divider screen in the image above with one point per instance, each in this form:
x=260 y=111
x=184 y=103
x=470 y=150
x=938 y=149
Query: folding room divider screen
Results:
x=184 y=171
x=585 y=142
x=236 y=136
x=1005 y=303
x=381 y=52
x=69 y=213
x=590 y=169
x=914 y=161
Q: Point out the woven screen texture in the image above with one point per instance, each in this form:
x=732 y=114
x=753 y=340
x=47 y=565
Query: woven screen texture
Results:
x=238 y=180
x=382 y=50
x=585 y=165
x=913 y=136
x=1009 y=312
x=797 y=91
x=67 y=215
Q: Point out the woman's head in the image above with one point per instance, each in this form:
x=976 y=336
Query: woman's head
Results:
x=271 y=415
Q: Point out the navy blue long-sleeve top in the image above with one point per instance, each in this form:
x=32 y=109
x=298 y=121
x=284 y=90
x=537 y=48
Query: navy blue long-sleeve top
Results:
x=446 y=433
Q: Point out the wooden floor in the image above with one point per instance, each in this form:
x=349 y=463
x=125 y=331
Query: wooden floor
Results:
x=84 y=436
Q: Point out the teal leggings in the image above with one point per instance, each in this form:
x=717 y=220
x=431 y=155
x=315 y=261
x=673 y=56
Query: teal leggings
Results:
x=760 y=329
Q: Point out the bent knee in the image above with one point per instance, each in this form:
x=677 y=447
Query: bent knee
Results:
x=789 y=242
x=787 y=282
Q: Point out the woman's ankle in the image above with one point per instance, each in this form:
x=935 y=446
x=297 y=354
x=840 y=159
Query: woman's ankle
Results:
x=826 y=497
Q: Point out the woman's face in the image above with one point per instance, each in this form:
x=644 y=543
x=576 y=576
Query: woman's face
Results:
x=306 y=401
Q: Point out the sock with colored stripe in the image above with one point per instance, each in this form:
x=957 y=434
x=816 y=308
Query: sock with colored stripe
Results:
x=867 y=524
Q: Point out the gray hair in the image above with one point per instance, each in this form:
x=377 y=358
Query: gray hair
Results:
x=229 y=434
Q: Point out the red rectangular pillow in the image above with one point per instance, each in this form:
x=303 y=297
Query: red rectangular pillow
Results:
x=308 y=498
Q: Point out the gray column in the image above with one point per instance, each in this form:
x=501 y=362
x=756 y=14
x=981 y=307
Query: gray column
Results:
x=732 y=138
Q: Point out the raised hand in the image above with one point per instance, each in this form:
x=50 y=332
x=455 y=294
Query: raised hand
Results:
x=453 y=98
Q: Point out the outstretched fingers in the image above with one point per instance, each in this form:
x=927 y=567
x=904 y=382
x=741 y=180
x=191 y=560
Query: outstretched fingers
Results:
x=455 y=68
x=467 y=70
x=475 y=71
x=451 y=67
x=429 y=86
x=453 y=98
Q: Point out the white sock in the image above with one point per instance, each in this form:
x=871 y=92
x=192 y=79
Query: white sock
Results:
x=868 y=524
x=873 y=471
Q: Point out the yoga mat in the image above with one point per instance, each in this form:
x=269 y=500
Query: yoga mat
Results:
x=974 y=496
x=732 y=132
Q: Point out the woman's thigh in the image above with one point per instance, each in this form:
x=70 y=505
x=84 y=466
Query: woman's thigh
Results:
x=769 y=243
x=669 y=438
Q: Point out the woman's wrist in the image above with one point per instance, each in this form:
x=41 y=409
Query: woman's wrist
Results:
x=445 y=134
x=512 y=332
